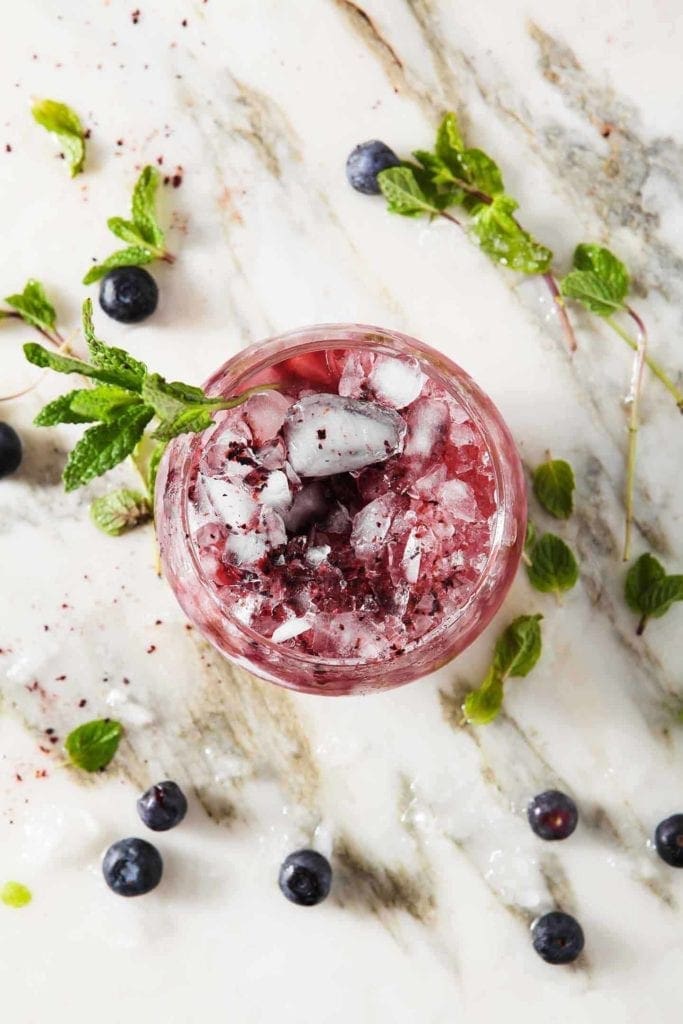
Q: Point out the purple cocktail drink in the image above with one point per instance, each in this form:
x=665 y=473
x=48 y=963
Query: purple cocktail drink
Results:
x=354 y=528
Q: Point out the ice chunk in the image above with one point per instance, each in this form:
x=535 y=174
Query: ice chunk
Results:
x=328 y=434
x=355 y=371
x=458 y=500
x=410 y=563
x=315 y=556
x=371 y=525
x=232 y=502
x=275 y=492
x=265 y=414
x=246 y=548
x=308 y=506
x=272 y=527
x=428 y=421
x=427 y=486
x=287 y=630
x=272 y=454
x=396 y=382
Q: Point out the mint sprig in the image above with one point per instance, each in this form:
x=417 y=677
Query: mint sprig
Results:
x=33 y=307
x=552 y=567
x=65 y=125
x=516 y=652
x=123 y=402
x=145 y=240
x=649 y=591
x=119 y=511
x=554 y=484
x=92 y=745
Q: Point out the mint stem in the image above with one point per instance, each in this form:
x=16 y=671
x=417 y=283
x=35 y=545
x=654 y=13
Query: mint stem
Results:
x=652 y=364
x=450 y=217
x=633 y=400
x=565 y=322
x=54 y=339
x=640 y=629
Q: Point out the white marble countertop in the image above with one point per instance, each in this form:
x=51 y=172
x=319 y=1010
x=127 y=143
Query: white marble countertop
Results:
x=255 y=106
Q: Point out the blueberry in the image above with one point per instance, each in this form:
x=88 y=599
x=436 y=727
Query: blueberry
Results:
x=552 y=815
x=132 y=867
x=669 y=840
x=557 y=937
x=163 y=806
x=128 y=294
x=305 y=877
x=10 y=450
x=364 y=164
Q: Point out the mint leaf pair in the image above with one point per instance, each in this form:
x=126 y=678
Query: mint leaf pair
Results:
x=454 y=175
x=516 y=652
x=599 y=281
x=124 y=400
x=649 y=591
x=65 y=125
x=142 y=233
x=35 y=309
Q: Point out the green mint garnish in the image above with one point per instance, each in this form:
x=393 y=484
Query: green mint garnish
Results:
x=649 y=591
x=599 y=281
x=14 y=894
x=500 y=236
x=516 y=652
x=554 y=487
x=119 y=511
x=92 y=745
x=35 y=309
x=552 y=568
x=142 y=233
x=121 y=405
x=65 y=124
x=530 y=537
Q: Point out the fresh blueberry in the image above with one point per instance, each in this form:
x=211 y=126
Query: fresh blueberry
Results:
x=552 y=815
x=364 y=164
x=557 y=937
x=10 y=450
x=163 y=806
x=669 y=840
x=305 y=877
x=132 y=867
x=128 y=294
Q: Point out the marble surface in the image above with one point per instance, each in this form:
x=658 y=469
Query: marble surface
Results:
x=255 y=106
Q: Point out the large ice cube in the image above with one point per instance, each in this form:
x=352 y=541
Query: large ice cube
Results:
x=458 y=500
x=328 y=434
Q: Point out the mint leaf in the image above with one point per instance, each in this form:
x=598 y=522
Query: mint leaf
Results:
x=403 y=193
x=481 y=706
x=119 y=511
x=105 y=445
x=530 y=537
x=190 y=420
x=92 y=745
x=554 y=487
x=553 y=568
x=516 y=652
x=649 y=591
x=504 y=240
x=482 y=172
x=143 y=207
x=102 y=403
x=34 y=307
x=60 y=411
x=449 y=143
x=519 y=647
x=126 y=231
x=65 y=125
x=599 y=280
x=43 y=357
x=107 y=357
x=134 y=256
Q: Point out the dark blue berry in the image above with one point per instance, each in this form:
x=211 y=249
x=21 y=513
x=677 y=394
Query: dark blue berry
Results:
x=128 y=294
x=163 y=806
x=557 y=937
x=305 y=877
x=132 y=867
x=364 y=164
x=552 y=815
x=10 y=450
x=669 y=840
